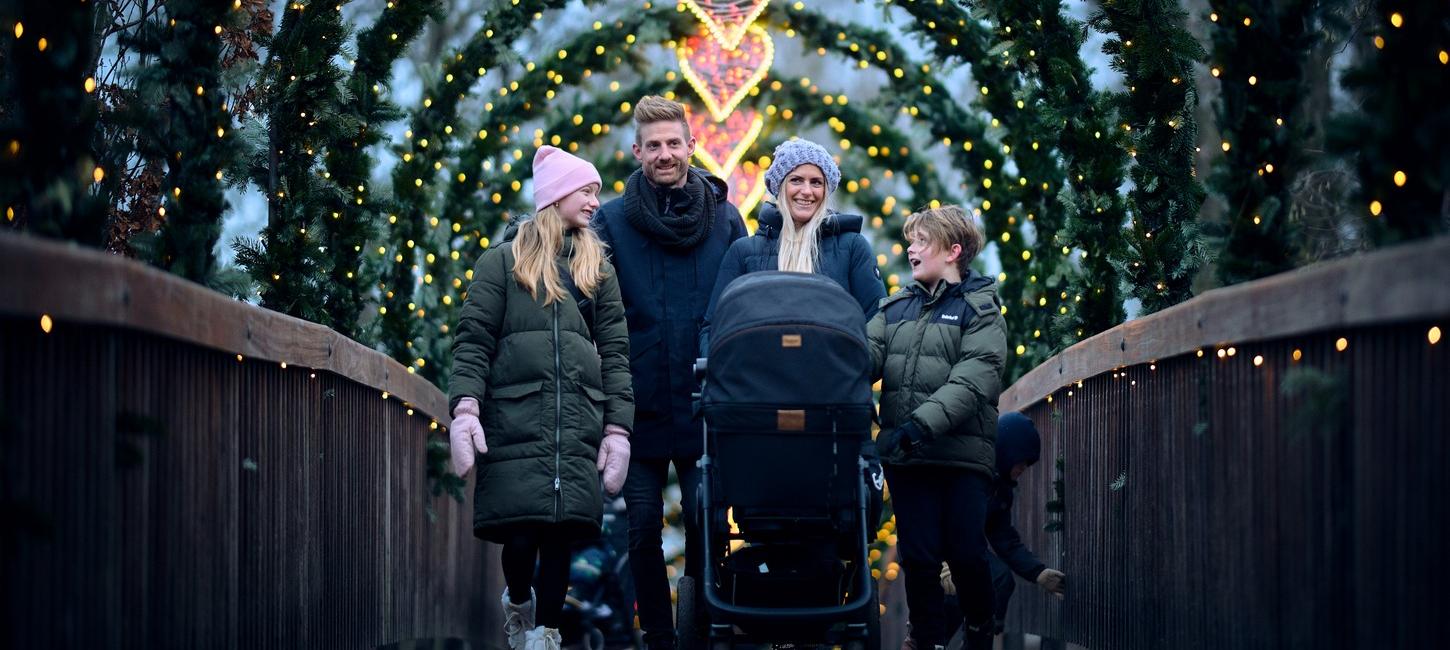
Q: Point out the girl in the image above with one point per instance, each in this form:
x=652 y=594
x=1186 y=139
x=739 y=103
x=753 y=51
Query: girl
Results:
x=541 y=362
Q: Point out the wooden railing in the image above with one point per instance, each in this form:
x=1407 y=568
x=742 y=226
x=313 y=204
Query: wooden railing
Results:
x=1263 y=466
x=179 y=469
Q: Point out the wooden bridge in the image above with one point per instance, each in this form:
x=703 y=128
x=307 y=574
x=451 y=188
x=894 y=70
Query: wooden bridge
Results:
x=1261 y=467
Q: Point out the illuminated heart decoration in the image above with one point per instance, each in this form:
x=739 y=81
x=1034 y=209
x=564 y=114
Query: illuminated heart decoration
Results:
x=727 y=20
x=724 y=77
x=747 y=188
x=719 y=145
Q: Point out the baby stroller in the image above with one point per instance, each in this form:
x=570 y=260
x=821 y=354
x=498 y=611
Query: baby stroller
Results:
x=786 y=399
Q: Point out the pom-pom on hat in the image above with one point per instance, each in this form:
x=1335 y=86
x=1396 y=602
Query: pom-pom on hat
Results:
x=794 y=153
x=558 y=173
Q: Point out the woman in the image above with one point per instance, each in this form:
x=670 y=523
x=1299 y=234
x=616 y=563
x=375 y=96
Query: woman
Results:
x=813 y=239
x=807 y=238
x=541 y=362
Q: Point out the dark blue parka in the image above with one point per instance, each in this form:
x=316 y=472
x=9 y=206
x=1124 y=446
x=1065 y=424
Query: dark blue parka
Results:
x=665 y=292
x=1017 y=442
x=843 y=256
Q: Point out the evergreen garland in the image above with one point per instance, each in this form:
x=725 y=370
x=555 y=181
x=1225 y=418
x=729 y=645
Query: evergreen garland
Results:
x=47 y=116
x=1398 y=136
x=1030 y=141
x=351 y=224
x=1094 y=157
x=430 y=138
x=1150 y=46
x=182 y=121
x=920 y=94
x=1259 y=55
x=303 y=99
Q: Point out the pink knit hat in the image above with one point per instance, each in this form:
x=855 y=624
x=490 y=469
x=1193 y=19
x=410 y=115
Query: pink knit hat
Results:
x=557 y=174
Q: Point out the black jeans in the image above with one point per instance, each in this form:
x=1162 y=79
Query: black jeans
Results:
x=941 y=515
x=1004 y=583
x=553 y=554
x=644 y=500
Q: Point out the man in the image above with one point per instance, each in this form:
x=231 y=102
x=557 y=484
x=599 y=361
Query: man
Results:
x=666 y=236
x=1018 y=447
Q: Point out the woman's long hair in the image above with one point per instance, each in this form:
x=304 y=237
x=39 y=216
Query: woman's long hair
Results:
x=800 y=245
x=538 y=244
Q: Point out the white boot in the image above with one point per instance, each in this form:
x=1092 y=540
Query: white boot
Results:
x=518 y=620
x=543 y=638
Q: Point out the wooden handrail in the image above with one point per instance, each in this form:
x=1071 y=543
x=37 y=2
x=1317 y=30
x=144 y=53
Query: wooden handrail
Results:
x=71 y=283
x=1404 y=283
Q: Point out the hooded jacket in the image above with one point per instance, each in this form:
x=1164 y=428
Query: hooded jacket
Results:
x=1017 y=442
x=939 y=353
x=546 y=387
x=844 y=256
x=665 y=293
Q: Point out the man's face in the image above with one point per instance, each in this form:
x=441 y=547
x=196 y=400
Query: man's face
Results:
x=663 y=151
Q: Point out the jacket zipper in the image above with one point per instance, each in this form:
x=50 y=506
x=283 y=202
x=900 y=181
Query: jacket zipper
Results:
x=558 y=416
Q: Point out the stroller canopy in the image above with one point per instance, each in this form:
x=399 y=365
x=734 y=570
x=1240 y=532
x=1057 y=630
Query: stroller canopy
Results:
x=788 y=339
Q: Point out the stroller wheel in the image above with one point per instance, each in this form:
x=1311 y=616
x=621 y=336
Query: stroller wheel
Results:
x=687 y=616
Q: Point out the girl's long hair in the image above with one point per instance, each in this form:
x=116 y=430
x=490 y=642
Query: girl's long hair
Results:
x=800 y=245
x=538 y=244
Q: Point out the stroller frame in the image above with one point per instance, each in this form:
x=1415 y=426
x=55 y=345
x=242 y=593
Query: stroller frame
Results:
x=857 y=619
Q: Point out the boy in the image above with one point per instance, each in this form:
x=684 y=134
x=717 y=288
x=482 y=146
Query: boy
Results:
x=939 y=346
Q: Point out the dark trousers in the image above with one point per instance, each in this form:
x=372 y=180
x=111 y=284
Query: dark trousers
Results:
x=941 y=516
x=552 y=553
x=1003 y=584
x=644 y=501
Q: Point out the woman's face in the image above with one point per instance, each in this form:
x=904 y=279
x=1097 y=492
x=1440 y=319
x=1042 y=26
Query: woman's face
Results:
x=805 y=189
x=579 y=206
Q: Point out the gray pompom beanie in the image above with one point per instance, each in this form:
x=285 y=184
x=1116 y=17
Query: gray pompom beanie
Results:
x=794 y=153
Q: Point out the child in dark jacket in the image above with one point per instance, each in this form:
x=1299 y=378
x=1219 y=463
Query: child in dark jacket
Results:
x=541 y=360
x=939 y=347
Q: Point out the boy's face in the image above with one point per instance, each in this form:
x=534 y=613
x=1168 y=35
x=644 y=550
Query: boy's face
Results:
x=931 y=262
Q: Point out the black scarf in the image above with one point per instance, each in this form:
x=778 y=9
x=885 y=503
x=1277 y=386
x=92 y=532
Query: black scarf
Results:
x=685 y=218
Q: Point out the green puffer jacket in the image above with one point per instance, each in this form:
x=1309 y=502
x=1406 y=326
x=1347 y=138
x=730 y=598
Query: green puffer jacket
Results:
x=940 y=356
x=545 y=394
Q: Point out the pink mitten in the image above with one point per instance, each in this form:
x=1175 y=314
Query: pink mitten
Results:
x=466 y=435
x=614 y=457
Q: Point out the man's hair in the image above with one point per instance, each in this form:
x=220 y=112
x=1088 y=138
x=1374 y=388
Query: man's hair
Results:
x=653 y=108
x=948 y=225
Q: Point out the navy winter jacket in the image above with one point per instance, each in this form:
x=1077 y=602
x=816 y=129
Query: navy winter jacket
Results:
x=665 y=295
x=844 y=256
x=1017 y=442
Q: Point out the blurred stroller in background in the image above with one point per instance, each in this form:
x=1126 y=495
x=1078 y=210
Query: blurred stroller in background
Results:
x=599 y=607
x=784 y=501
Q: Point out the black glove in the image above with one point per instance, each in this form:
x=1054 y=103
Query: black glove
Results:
x=906 y=437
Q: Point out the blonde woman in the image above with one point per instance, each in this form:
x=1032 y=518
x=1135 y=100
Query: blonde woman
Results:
x=800 y=233
x=541 y=362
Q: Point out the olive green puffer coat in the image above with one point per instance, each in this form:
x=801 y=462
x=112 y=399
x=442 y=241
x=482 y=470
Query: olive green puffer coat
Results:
x=545 y=394
x=940 y=356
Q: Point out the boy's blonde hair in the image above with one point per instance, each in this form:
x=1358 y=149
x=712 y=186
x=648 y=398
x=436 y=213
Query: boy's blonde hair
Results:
x=653 y=108
x=945 y=226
